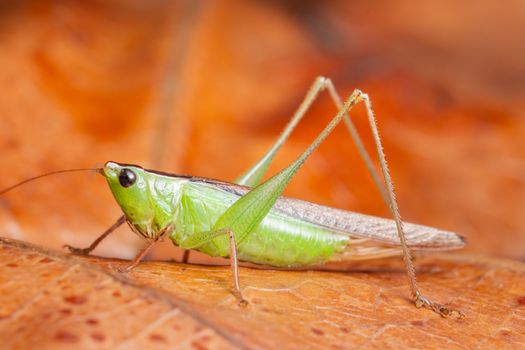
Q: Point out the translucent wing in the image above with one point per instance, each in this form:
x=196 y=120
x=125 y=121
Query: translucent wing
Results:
x=369 y=227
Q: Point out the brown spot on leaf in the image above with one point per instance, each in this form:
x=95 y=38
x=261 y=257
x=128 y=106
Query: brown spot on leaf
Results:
x=157 y=337
x=99 y=337
x=521 y=300
x=317 y=331
x=12 y=265
x=75 y=299
x=199 y=345
x=66 y=337
x=418 y=323
x=92 y=321
x=504 y=333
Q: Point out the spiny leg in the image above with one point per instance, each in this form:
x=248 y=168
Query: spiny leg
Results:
x=198 y=239
x=357 y=139
x=96 y=242
x=419 y=299
x=234 y=264
x=256 y=173
x=138 y=258
x=145 y=250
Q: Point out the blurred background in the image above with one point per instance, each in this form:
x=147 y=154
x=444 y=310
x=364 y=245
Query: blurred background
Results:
x=204 y=87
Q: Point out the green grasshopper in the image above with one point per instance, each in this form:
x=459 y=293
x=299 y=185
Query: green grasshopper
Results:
x=250 y=221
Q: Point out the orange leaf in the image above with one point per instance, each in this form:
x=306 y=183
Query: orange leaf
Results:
x=49 y=300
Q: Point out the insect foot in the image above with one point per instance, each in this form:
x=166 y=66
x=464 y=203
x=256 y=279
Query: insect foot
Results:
x=77 y=251
x=443 y=311
x=124 y=269
x=243 y=303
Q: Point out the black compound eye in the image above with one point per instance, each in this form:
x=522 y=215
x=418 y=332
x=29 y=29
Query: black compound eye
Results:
x=127 y=178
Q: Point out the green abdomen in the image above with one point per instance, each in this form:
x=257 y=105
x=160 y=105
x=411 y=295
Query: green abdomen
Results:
x=279 y=240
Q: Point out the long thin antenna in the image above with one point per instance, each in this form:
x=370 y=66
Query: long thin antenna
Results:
x=98 y=170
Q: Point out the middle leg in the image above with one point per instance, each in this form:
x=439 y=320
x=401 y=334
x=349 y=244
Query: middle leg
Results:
x=145 y=250
x=200 y=238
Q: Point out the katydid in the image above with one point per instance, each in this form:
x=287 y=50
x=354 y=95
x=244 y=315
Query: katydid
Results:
x=251 y=221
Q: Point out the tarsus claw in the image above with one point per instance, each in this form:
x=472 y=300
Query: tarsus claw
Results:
x=443 y=311
x=77 y=251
